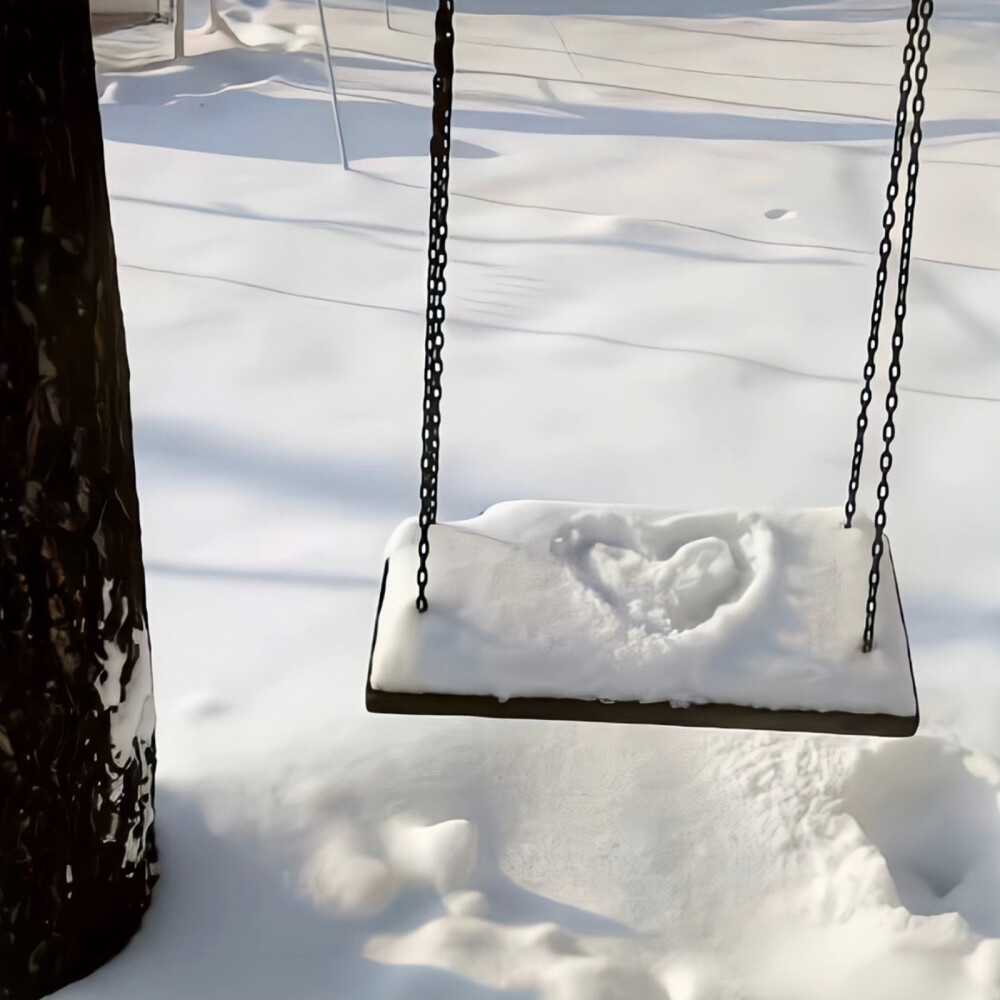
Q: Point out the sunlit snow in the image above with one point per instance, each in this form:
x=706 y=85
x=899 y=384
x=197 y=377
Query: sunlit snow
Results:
x=663 y=230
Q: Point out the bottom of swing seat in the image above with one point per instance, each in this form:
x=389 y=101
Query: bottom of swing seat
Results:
x=723 y=619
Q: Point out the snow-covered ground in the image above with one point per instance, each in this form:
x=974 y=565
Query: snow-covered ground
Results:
x=663 y=227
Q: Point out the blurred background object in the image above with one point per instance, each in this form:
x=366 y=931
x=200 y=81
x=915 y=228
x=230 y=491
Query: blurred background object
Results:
x=132 y=33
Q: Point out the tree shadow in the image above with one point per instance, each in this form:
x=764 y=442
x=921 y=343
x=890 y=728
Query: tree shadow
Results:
x=589 y=119
x=934 y=620
x=266 y=577
x=248 y=123
x=227 y=116
x=227 y=922
x=329 y=479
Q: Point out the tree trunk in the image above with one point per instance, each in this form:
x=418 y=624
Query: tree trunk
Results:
x=77 y=855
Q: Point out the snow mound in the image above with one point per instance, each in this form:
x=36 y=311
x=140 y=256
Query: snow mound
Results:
x=636 y=604
x=933 y=811
x=429 y=871
x=346 y=876
x=542 y=958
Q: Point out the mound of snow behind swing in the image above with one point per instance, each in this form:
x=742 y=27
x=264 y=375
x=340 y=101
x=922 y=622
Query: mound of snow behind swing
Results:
x=543 y=599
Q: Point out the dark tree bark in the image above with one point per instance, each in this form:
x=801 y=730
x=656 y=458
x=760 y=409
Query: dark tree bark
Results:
x=77 y=855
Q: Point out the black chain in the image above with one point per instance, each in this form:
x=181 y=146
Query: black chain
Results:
x=437 y=258
x=885 y=250
x=926 y=9
x=918 y=28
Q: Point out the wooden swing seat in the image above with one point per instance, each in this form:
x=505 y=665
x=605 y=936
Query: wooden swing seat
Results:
x=728 y=619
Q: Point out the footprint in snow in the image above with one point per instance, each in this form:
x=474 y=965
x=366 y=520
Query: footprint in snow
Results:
x=358 y=872
x=933 y=810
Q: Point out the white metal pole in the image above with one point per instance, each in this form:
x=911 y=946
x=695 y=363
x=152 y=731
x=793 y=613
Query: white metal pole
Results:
x=178 y=29
x=333 y=86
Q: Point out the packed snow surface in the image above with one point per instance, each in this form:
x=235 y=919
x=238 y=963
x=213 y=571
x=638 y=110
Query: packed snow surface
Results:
x=664 y=218
x=636 y=604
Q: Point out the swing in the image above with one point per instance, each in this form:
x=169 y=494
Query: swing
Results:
x=725 y=618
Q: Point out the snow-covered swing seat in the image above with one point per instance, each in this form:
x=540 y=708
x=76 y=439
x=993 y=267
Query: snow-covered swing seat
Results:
x=725 y=618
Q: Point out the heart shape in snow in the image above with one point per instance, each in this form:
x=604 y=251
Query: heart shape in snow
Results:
x=664 y=578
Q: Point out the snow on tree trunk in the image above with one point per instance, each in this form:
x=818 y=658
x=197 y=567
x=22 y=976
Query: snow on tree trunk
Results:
x=77 y=854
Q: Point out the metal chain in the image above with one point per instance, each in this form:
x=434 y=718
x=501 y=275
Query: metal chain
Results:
x=892 y=398
x=918 y=26
x=885 y=250
x=437 y=258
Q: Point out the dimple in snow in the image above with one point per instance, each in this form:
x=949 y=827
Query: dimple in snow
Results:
x=656 y=584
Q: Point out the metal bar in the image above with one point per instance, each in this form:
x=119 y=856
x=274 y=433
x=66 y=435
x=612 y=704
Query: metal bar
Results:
x=333 y=86
x=178 y=29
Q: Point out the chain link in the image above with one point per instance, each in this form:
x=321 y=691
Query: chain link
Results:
x=437 y=258
x=926 y=9
x=885 y=250
x=918 y=41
